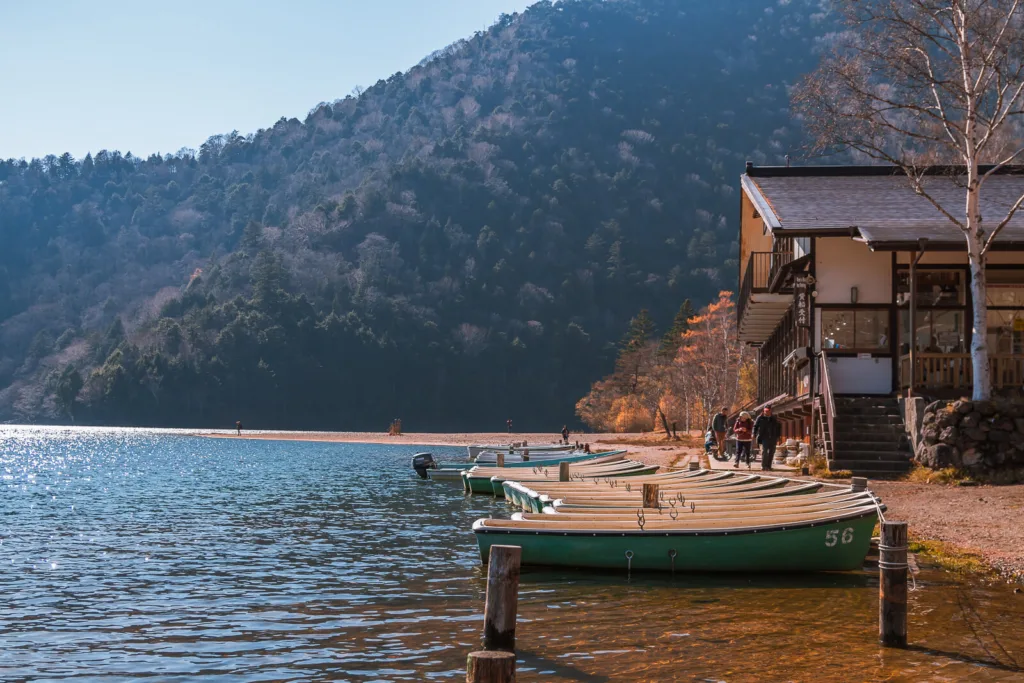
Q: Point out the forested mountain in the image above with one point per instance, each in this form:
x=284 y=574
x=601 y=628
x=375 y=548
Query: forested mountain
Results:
x=459 y=244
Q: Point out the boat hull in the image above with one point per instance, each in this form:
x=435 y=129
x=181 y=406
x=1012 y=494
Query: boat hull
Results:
x=837 y=545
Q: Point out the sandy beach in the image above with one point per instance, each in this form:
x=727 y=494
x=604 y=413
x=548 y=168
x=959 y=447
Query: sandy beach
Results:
x=649 y=448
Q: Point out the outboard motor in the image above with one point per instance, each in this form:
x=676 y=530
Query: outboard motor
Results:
x=421 y=462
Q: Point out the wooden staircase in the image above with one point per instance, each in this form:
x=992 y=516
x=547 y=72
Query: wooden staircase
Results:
x=870 y=439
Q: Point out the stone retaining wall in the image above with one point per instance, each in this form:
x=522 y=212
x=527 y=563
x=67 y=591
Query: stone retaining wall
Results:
x=984 y=438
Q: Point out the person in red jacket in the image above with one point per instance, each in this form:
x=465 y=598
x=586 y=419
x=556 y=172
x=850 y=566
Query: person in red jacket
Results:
x=743 y=428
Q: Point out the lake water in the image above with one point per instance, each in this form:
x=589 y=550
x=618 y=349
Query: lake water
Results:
x=133 y=554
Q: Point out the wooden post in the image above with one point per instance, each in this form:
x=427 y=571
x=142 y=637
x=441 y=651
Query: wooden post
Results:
x=501 y=459
x=694 y=466
x=858 y=484
x=651 y=496
x=491 y=667
x=892 y=585
x=502 y=597
x=563 y=471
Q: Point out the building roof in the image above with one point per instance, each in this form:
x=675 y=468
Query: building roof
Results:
x=879 y=205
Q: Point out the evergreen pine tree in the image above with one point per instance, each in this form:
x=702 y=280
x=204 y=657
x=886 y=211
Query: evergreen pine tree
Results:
x=672 y=340
x=641 y=330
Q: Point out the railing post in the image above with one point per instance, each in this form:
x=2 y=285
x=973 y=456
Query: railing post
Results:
x=892 y=585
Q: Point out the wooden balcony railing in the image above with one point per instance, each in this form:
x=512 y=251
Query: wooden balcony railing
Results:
x=762 y=266
x=954 y=370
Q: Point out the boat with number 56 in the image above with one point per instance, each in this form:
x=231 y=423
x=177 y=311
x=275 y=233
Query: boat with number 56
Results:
x=820 y=533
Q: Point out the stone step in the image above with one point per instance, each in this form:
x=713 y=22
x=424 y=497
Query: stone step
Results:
x=868 y=453
x=891 y=456
x=879 y=436
x=869 y=435
x=870 y=465
x=875 y=437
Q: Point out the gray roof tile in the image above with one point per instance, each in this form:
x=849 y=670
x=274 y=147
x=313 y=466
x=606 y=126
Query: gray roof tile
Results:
x=886 y=208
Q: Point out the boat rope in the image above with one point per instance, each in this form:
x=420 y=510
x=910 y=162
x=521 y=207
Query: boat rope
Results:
x=629 y=487
x=905 y=565
x=693 y=506
x=672 y=559
x=674 y=514
x=640 y=518
x=629 y=563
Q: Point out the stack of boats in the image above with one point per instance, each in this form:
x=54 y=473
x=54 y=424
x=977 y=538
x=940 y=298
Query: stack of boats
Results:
x=620 y=514
x=514 y=455
x=491 y=480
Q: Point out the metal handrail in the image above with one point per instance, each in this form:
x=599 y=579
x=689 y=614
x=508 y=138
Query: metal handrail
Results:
x=830 y=403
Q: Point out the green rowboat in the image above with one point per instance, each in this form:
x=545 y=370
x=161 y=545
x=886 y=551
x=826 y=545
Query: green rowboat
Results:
x=833 y=541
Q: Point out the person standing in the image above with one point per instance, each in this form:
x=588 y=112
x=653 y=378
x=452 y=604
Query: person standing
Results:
x=718 y=426
x=743 y=428
x=238 y=426
x=508 y=423
x=565 y=434
x=767 y=431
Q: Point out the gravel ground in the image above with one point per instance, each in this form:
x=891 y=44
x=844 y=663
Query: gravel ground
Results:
x=986 y=520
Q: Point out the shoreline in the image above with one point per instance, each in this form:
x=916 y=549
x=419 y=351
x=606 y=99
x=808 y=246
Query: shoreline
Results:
x=978 y=520
x=654 y=450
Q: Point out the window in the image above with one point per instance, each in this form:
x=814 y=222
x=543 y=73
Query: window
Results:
x=938 y=331
x=1005 y=287
x=934 y=287
x=1006 y=332
x=855 y=329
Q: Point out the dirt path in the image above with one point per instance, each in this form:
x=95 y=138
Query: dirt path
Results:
x=985 y=520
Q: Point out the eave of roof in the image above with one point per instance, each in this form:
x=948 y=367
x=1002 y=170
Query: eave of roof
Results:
x=757 y=198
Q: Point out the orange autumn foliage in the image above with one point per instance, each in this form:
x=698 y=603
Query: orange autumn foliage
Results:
x=676 y=389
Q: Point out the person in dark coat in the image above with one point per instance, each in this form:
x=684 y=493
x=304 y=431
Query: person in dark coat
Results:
x=767 y=431
x=565 y=434
x=719 y=427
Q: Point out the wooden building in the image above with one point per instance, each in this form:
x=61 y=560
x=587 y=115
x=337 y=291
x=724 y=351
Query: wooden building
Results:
x=851 y=285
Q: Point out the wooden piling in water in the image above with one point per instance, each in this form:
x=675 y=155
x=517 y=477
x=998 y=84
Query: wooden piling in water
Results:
x=501 y=459
x=651 y=496
x=892 y=585
x=502 y=597
x=694 y=465
x=859 y=483
x=563 y=471
x=491 y=667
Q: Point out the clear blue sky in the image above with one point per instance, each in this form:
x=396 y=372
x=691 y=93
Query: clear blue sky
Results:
x=146 y=76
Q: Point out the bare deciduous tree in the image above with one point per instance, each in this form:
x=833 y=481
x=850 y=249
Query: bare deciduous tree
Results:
x=917 y=83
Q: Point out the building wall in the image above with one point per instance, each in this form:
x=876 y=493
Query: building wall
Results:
x=842 y=263
x=752 y=235
x=860 y=375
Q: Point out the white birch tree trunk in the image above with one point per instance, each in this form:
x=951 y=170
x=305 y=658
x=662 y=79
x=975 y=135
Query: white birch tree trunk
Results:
x=979 y=314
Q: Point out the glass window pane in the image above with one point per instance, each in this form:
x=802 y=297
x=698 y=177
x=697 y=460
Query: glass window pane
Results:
x=1004 y=294
x=1006 y=332
x=872 y=330
x=923 y=336
x=837 y=329
x=948 y=331
x=934 y=287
